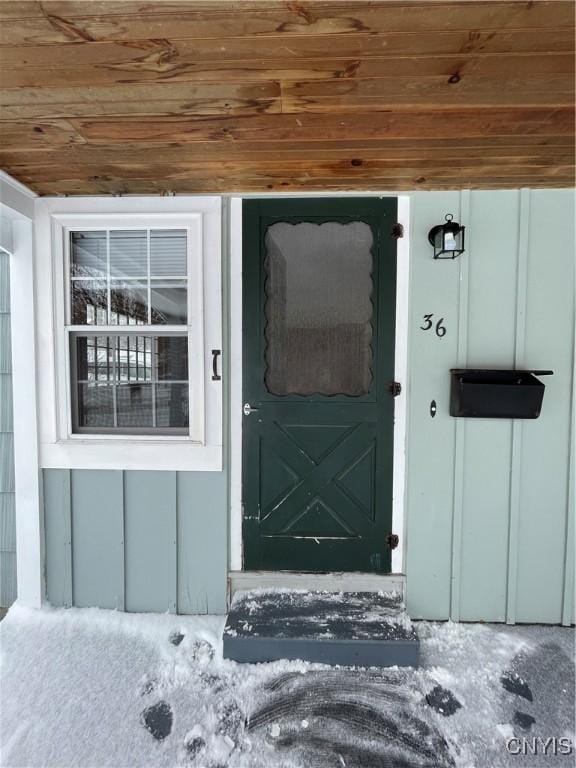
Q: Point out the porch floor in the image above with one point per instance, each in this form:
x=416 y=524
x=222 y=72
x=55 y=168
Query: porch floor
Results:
x=345 y=628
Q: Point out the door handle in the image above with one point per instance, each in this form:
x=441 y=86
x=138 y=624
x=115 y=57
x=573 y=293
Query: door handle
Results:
x=215 y=355
x=247 y=410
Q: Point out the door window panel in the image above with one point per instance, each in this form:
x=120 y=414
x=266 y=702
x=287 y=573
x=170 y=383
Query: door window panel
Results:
x=318 y=308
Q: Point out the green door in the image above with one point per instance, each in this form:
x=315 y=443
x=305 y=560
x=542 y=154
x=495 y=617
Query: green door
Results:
x=319 y=306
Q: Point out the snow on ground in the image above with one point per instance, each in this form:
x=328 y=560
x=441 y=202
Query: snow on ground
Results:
x=92 y=688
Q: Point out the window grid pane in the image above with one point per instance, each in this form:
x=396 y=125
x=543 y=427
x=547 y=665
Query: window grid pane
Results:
x=129 y=253
x=168 y=253
x=131 y=382
x=89 y=254
x=129 y=277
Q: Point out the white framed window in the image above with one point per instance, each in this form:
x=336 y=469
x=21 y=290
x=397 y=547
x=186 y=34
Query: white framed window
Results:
x=129 y=313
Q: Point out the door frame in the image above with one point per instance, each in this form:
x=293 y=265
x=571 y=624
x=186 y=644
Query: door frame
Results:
x=400 y=373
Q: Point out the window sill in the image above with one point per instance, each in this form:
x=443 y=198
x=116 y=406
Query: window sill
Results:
x=172 y=454
x=101 y=438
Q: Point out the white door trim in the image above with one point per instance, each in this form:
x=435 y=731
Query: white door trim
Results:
x=401 y=375
x=235 y=384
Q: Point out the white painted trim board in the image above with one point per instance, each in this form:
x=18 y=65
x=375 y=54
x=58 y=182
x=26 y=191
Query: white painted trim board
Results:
x=17 y=209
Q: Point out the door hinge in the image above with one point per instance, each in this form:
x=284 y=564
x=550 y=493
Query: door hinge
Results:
x=397 y=231
x=395 y=388
x=392 y=540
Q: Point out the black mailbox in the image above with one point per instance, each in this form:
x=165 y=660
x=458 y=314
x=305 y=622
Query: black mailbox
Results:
x=496 y=394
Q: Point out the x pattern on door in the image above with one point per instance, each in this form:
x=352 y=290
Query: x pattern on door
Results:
x=317 y=480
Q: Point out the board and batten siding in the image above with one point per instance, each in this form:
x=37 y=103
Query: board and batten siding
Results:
x=7 y=506
x=136 y=540
x=490 y=502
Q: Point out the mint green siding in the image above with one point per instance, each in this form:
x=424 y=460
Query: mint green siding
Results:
x=7 y=506
x=150 y=542
x=58 y=537
x=202 y=542
x=488 y=506
x=136 y=541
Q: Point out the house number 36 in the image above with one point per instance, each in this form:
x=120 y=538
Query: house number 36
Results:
x=439 y=328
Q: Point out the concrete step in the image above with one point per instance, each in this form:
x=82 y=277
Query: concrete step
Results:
x=243 y=581
x=345 y=628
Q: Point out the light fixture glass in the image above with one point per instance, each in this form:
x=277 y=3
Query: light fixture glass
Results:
x=447 y=239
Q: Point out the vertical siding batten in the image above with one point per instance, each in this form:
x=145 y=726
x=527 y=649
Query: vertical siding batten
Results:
x=150 y=541
x=517 y=425
x=6 y=416
x=545 y=441
x=7 y=579
x=568 y=595
x=460 y=426
x=568 y=602
x=430 y=441
x=98 y=538
x=5 y=344
x=202 y=542
x=485 y=508
x=6 y=462
x=7 y=523
x=58 y=536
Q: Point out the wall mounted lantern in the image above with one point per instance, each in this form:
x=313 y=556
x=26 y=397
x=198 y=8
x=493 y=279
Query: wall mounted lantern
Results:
x=447 y=239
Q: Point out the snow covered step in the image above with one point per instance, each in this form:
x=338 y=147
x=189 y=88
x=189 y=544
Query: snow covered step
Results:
x=242 y=581
x=346 y=628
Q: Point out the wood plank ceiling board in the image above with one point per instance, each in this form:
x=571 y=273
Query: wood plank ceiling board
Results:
x=257 y=95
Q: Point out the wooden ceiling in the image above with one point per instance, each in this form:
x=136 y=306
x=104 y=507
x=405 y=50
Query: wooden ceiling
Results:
x=193 y=97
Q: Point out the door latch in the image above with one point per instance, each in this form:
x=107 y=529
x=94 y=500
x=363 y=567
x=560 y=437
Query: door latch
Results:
x=395 y=388
x=392 y=540
x=247 y=409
